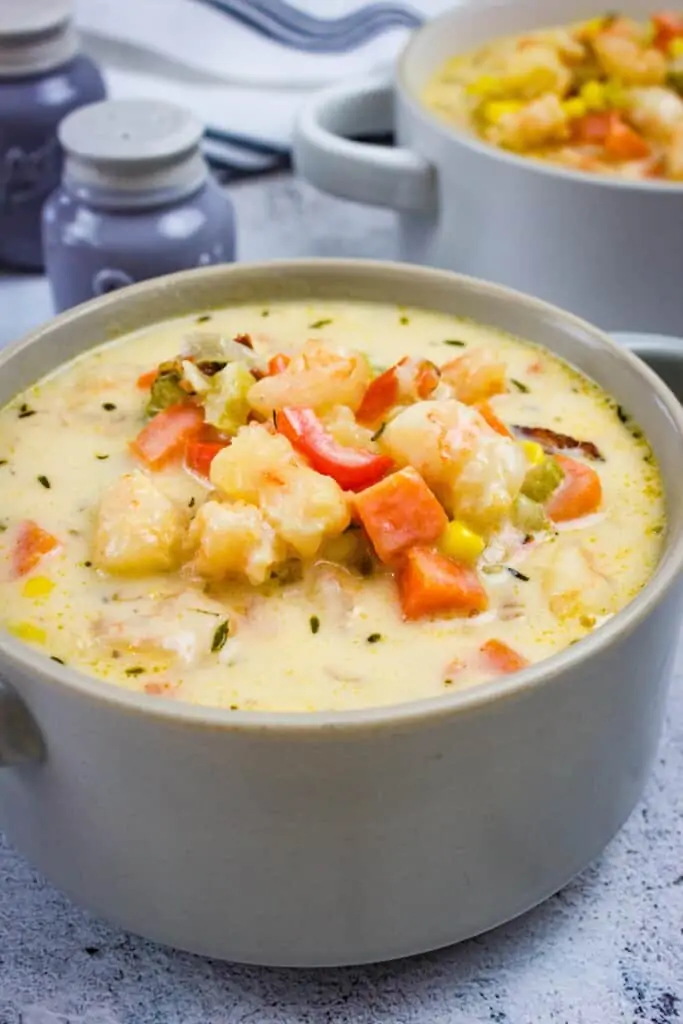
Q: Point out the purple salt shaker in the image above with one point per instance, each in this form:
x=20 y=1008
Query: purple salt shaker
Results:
x=136 y=201
x=42 y=79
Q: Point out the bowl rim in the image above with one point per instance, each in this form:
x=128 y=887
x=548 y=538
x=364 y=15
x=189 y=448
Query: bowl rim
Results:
x=486 y=149
x=28 y=660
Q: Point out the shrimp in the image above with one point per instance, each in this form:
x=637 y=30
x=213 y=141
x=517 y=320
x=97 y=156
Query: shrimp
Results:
x=655 y=111
x=179 y=627
x=538 y=123
x=302 y=506
x=342 y=424
x=533 y=70
x=320 y=377
x=234 y=539
x=628 y=60
x=573 y=584
x=475 y=472
x=474 y=377
x=138 y=529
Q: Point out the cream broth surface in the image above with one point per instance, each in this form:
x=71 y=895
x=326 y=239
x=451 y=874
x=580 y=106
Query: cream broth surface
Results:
x=333 y=638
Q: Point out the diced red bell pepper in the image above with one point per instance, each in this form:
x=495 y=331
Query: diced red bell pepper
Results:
x=668 y=25
x=352 y=468
x=200 y=454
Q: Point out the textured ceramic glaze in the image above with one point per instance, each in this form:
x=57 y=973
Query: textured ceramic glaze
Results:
x=31 y=107
x=608 y=250
x=357 y=836
x=136 y=201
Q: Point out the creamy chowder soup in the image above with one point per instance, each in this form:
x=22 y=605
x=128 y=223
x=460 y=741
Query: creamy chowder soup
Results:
x=603 y=96
x=318 y=507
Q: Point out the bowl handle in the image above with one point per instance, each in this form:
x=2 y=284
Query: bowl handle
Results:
x=20 y=738
x=379 y=175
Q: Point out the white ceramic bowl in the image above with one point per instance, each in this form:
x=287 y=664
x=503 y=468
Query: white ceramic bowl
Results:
x=346 y=837
x=607 y=249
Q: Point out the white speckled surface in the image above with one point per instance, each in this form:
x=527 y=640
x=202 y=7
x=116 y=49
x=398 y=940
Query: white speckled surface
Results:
x=607 y=950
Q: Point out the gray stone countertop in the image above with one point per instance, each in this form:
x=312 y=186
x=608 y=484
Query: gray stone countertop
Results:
x=607 y=949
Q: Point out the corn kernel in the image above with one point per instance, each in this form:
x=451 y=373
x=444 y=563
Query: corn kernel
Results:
x=27 y=632
x=487 y=85
x=593 y=95
x=534 y=452
x=574 y=108
x=494 y=110
x=37 y=586
x=615 y=94
x=676 y=47
x=459 y=542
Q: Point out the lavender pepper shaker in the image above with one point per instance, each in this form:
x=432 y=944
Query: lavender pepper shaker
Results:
x=42 y=79
x=136 y=201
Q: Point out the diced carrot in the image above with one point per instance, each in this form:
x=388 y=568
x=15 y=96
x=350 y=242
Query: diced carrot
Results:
x=381 y=394
x=484 y=409
x=431 y=584
x=32 y=542
x=145 y=380
x=624 y=143
x=501 y=657
x=592 y=128
x=166 y=435
x=398 y=512
x=579 y=494
x=278 y=364
x=200 y=454
x=668 y=25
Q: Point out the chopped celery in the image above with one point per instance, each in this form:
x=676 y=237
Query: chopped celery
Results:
x=528 y=515
x=166 y=389
x=226 y=405
x=542 y=480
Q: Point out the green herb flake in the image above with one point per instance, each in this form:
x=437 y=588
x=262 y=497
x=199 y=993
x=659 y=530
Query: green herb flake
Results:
x=44 y=481
x=520 y=385
x=314 y=623
x=275 y=418
x=3 y=462
x=234 y=707
x=265 y=312
x=191 y=503
x=448 y=682
x=517 y=574
x=108 y=406
x=53 y=657
x=622 y=414
x=455 y=342
x=25 y=411
x=136 y=670
x=203 y=318
x=404 y=320
x=220 y=636
x=319 y=323
x=3 y=527
x=378 y=433
x=101 y=457
x=374 y=638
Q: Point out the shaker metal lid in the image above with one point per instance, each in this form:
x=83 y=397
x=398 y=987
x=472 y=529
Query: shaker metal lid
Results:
x=132 y=146
x=35 y=35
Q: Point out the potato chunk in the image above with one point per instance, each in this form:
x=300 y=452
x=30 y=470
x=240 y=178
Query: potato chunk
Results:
x=302 y=506
x=138 y=529
x=233 y=540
